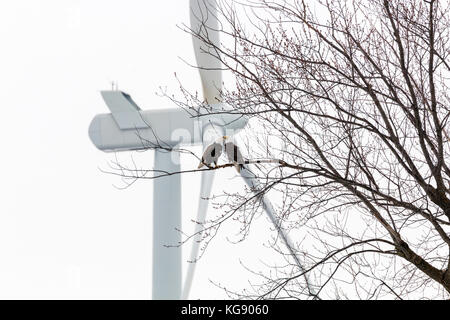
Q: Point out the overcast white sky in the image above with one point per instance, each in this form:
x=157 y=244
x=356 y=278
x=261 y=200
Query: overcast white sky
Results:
x=65 y=231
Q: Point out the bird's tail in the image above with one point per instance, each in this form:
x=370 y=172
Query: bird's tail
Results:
x=200 y=165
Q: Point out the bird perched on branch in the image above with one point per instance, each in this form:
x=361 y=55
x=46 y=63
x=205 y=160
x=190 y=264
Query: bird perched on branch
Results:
x=212 y=153
x=234 y=155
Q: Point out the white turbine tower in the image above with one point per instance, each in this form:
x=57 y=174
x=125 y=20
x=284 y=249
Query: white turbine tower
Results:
x=128 y=128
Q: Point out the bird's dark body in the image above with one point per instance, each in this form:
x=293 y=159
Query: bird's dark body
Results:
x=211 y=154
x=234 y=155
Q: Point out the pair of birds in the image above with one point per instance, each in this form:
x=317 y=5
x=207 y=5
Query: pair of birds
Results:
x=213 y=152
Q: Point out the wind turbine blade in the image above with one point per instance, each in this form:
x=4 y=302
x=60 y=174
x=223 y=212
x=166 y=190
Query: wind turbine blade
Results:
x=205 y=26
x=209 y=136
x=252 y=181
x=205 y=37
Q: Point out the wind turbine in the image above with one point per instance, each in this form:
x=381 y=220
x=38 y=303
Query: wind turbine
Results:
x=129 y=128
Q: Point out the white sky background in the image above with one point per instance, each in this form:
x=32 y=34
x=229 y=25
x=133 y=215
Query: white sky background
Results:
x=65 y=231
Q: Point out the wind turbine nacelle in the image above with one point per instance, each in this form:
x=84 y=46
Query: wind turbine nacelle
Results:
x=128 y=127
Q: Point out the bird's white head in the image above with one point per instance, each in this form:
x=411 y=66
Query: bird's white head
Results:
x=222 y=139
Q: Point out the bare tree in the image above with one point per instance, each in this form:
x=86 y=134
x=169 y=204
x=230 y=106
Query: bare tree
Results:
x=351 y=99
